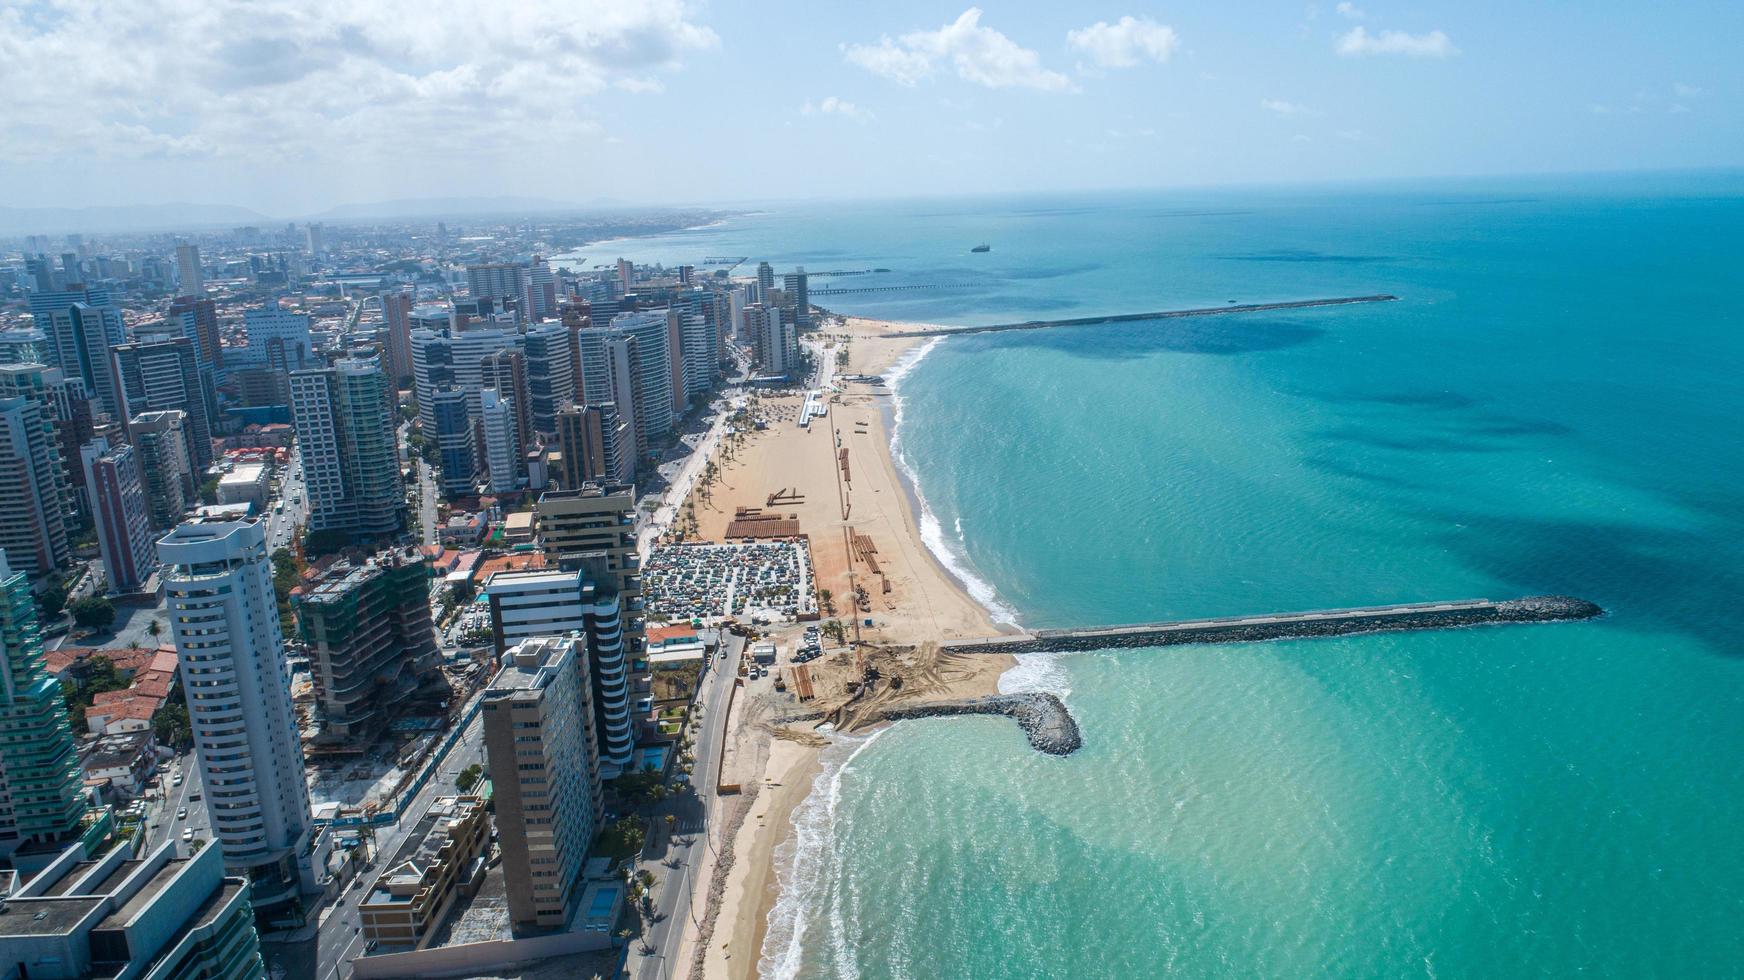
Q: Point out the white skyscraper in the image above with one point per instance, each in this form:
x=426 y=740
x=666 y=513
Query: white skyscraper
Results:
x=502 y=451
x=218 y=587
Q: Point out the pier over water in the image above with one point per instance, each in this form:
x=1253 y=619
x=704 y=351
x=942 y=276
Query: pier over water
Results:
x=1278 y=626
x=1091 y=321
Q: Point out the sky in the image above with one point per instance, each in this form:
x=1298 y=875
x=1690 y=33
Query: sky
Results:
x=292 y=108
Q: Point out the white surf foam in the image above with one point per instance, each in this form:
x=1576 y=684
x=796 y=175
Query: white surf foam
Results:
x=806 y=864
x=1044 y=672
x=953 y=555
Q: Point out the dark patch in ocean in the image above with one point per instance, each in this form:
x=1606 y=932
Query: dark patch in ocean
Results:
x=1125 y=341
x=1475 y=201
x=1651 y=578
x=1304 y=255
x=1424 y=443
x=1055 y=272
x=1330 y=464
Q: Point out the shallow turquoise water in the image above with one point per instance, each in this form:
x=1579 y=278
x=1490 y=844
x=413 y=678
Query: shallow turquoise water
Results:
x=1553 y=406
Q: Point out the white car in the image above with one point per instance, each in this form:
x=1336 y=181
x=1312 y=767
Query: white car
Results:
x=182 y=814
x=188 y=834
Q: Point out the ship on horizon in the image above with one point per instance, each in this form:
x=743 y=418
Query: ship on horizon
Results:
x=983 y=247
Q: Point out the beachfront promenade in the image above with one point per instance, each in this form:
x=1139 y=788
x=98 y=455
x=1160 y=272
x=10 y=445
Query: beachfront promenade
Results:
x=1090 y=321
x=1277 y=626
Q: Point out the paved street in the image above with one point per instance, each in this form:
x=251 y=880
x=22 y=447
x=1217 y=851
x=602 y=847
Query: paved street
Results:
x=694 y=807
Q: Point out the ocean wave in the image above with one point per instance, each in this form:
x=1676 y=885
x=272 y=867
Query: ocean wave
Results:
x=1045 y=672
x=953 y=556
x=806 y=864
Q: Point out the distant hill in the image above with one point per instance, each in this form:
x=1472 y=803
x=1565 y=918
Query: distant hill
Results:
x=135 y=217
x=445 y=207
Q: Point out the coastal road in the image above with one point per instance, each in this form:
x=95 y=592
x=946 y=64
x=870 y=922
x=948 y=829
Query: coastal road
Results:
x=695 y=807
x=686 y=477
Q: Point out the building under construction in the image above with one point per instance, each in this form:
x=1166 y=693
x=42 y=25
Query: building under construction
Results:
x=366 y=623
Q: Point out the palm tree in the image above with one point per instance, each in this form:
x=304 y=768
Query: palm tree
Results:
x=153 y=628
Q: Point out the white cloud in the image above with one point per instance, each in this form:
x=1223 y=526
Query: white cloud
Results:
x=832 y=106
x=1359 y=42
x=1678 y=109
x=1354 y=135
x=1126 y=42
x=1351 y=10
x=1685 y=91
x=1283 y=108
x=977 y=54
x=301 y=79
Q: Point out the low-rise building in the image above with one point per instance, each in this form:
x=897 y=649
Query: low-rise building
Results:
x=122 y=763
x=441 y=860
x=246 y=484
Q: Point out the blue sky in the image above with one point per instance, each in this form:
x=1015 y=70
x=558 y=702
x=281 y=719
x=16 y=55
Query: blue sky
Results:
x=294 y=107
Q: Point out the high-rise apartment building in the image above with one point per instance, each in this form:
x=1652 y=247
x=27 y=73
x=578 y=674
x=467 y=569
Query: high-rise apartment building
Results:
x=613 y=360
x=372 y=647
x=190 y=279
x=223 y=613
x=506 y=371
x=42 y=796
x=314 y=239
x=502 y=448
x=161 y=440
x=496 y=280
x=344 y=417
x=277 y=339
x=455 y=435
x=448 y=369
x=397 y=324
x=197 y=319
x=774 y=338
x=652 y=366
x=545 y=776
x=118 y=504
x=165 y=374
x=765 y=279
x=550 y=374
x=794 y=284
x=626 y=274
x=595 y=445
x=33 y=489
x=541 y=291
x=81 y=325
x=700 y=343
x=67 y=415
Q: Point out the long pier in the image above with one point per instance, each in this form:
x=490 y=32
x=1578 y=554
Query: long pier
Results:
x=1091 y=321
x=848 y=290
x=1276 y=626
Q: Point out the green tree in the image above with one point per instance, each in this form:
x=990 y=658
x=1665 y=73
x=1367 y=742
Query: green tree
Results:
x=469 y=777
x=52 y=601
x=209 y=491
x=154 y=629
x=170 y=724
x=93 y=612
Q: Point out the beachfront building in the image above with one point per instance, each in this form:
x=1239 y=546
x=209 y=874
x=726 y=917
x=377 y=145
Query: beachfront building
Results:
x=699 y=343
x=223 y=612
x=773 y=338
x=371 y=645
x=795 y=285
x=344 y=416
x=172 y=914
x=596 y=444
x=565 y=602
x=33 y=489
x=124 y=534
x=545 y=776
x=42 y=799
x=160 y=438
x=165 y=375
x=502 y=450
x=442 y=860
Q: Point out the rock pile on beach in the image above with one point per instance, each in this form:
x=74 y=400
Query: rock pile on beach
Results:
x=1043 y=717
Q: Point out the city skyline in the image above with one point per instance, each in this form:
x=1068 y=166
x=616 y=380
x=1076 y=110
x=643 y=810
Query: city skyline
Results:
x=299 y=110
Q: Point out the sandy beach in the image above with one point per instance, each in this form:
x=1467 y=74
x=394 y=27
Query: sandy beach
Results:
x=910 y=598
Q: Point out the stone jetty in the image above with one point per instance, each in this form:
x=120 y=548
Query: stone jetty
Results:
x=1043 y=717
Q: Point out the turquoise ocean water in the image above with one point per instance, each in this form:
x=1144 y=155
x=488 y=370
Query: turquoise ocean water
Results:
x=1555 y=405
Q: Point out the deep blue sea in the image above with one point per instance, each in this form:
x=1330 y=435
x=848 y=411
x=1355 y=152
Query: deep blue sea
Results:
x=1556 y=404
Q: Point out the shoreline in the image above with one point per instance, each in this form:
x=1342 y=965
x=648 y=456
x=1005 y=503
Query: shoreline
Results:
x=915 y=599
